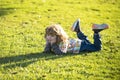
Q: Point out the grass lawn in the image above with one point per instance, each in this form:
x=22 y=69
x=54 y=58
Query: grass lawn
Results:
x=22 y=28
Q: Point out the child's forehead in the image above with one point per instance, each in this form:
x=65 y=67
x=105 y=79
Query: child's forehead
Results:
x=52 y=30
x=51 y=34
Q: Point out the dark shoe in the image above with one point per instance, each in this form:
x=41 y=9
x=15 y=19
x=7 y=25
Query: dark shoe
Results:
x=76 y=25
x=97 y=28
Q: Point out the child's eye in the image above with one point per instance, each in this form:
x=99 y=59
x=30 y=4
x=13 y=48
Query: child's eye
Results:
x=51 y=35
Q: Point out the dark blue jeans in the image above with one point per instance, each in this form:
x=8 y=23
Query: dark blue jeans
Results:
x=86 y=45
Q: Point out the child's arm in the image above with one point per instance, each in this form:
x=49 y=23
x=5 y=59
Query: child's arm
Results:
x=47 y=48
x=56 y=49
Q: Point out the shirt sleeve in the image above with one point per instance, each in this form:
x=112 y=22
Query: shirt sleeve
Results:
x=56 y=49
x=47 y=48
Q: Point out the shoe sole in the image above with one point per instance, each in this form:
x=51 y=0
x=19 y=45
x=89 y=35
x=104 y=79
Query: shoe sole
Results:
x=74 y=25
x=94 y=27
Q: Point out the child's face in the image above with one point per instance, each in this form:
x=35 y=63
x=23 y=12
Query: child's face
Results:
x=51 y=38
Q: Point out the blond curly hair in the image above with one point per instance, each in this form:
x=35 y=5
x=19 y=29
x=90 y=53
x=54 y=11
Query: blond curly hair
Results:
x=57 y=30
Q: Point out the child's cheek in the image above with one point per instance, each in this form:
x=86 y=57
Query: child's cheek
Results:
x=47 y=40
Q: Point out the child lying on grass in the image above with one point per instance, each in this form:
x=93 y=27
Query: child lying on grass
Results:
x=57 y=40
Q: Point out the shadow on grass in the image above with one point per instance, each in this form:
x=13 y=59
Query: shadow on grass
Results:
x=6 y=11
x=25 y=60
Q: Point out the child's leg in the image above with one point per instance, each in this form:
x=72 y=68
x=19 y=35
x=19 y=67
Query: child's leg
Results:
x=92 y=47
x=97 y=41
x=81 y=36
x=86 y=45
x=76 y=28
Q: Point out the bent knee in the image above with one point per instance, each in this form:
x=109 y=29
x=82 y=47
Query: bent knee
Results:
x=98 y=48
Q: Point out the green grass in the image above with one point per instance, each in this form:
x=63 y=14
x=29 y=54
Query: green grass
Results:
x=22 y=25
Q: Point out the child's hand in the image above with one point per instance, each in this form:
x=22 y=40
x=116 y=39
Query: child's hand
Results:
x=47 y=48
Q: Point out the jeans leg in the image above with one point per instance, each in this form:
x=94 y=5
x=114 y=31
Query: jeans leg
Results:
x=97 y=41
x=81 y=36
x=92 y=47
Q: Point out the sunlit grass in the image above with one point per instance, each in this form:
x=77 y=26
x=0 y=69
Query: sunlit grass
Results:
x=22 y=25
